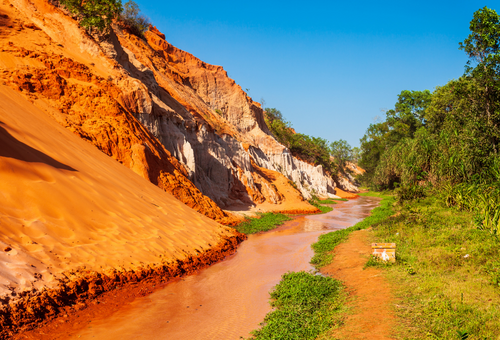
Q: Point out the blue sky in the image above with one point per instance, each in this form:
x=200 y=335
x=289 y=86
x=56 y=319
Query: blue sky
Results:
x=330 y=67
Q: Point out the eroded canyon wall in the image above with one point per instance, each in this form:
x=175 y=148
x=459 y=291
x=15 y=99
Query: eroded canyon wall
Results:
x=197 y=113
x=226 y=116
x=93 y=108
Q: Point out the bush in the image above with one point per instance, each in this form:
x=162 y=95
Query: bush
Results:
x=409 y=192
x=137 y=23
x=94 y=14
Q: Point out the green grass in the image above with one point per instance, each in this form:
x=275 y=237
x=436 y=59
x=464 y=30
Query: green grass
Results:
x=447 y=272
x=305 y=306
x=264 y=222
x=324 y=209
x=320 y=204
x=332 y=200
x=309 y=306
x=375 y=193
x=327 y=242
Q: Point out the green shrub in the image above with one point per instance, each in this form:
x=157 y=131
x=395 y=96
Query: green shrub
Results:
x=409 y=192
x=131 y=16
x=94 y=14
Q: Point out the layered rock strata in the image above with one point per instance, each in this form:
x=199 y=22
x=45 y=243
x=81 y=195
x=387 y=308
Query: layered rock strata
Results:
x=225 y=117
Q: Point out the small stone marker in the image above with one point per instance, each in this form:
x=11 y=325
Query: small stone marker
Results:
x=385 y=251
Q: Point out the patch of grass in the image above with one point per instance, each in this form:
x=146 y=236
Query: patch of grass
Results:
x=327 y=242
x=375 y=193
x=305 y=306
x=324 y=209
x=319 y=204
x=332 y=200
x=454 y=291
x=376 y=262
x=265 y=222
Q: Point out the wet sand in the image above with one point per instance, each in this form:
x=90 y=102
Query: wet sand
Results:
x=231 y=298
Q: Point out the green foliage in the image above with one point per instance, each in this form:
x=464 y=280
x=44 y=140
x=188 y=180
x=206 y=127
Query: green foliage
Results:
x=319 y=204
x=342 y=153
x=449 y=137
x=408 y=114
x=265 y=222
x=355 y=154
x=304 y=306
x=482 y=199
x=314 y=150
x=483 y=44
x=327 y=242
x=376 y=262
x=409 y=192
x=373 y=145
x=94 y=14
x=446 y=274
x=137 y=22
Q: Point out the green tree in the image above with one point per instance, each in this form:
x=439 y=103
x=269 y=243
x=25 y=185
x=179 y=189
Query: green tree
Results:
x=131 y=15
x=373 y=145
x=483 y=89
x=314 y=150
x=408 y=114
x=341 y=151
x=94 y=14
x=355 y=154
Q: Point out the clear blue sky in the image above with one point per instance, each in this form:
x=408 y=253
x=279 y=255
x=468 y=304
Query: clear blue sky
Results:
x=329 y=66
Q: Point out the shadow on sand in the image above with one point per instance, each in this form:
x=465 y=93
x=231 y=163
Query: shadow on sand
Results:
x=12 y=148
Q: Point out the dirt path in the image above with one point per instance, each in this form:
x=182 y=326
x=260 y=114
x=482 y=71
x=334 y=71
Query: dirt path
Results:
x=371 y=299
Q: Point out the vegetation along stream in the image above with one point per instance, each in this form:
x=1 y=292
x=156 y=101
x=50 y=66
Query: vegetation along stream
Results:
x=231 y=298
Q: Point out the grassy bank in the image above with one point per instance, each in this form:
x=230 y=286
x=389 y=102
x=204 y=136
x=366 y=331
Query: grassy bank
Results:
x=264 y=222
x=447 y=272
x=306 y=305
x=269 y=221
x=320 y=204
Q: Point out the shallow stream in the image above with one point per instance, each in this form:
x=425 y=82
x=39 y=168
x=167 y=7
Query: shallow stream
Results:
x=230 y=298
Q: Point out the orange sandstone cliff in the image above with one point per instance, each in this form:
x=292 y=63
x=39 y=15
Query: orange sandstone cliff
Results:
x=75 y=223
x=116 y=157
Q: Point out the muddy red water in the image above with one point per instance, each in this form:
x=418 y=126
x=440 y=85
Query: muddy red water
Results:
x=231 y=298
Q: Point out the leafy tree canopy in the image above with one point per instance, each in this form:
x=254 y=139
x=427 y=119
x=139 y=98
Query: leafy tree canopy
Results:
x=449 y=136
x=483 y=43
x=341 y=151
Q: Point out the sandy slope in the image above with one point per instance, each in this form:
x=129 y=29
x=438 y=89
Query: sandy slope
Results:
x=64 y=205
x=79 y=88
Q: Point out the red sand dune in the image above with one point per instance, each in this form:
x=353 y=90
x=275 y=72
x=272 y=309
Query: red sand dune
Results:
x=69 y=211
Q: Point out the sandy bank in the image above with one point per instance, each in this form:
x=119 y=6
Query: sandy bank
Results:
x=75 y=222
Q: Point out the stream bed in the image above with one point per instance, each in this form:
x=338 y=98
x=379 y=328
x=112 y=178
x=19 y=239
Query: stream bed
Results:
x=230 y=298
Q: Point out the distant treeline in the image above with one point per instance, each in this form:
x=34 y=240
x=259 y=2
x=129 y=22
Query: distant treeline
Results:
x=314 y=150
x=448 y=138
